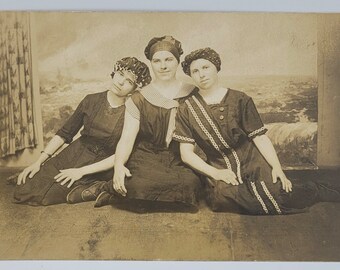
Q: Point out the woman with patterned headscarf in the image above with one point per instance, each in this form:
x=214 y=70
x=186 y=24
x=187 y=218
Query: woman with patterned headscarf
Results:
x=158 y=179
x=50 y=178
x=242 y=169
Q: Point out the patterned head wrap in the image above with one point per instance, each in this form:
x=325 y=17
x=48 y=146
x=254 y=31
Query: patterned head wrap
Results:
x=139 y=69
x=206 y=53
x=165 y=43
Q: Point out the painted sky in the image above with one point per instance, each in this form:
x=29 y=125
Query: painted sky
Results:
x=85 y=45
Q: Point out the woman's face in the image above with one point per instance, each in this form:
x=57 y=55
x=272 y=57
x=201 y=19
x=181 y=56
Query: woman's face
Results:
x=123 y=83
x=204 y=73
x=164 y=65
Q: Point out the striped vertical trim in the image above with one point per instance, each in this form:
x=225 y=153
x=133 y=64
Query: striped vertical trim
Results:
x=206 y=132
x=212 y=124
x=264 y=207
x=171 y=126
x=271 y=198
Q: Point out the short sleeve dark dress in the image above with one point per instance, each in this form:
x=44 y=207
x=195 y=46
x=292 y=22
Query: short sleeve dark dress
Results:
x=224 y=132
x=158 y=174
x=103 y=125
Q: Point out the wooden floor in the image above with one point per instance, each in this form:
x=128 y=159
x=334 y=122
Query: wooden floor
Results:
x=82 y=232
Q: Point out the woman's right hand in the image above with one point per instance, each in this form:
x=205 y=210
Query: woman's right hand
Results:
x=30 y=171
x=225 y=175
x=119 y=179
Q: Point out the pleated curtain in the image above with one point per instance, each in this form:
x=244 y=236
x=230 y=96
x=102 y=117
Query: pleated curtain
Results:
x=17 y=130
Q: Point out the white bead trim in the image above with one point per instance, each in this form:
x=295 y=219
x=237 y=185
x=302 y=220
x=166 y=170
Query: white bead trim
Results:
x=208 y=134
x=255 y=132
x=264 y=207
x=183 y=138
x=271 y=198
x=212 y=124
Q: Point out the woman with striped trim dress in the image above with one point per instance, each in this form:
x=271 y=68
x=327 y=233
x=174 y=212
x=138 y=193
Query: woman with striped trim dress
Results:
x=241 y=167
x=66 y=176
x=159 y=180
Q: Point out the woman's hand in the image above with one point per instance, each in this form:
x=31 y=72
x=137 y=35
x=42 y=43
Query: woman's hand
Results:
x=119 y=178
x=69 y=175
x=225 y=175
x=30 y=171
x=277 y=173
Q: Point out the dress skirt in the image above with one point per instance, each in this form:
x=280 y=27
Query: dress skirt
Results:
x=42 y=189
x=158 y=179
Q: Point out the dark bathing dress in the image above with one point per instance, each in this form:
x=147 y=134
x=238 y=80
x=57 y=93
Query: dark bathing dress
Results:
x=102 y=129
x=224 y=132
x=160 y=180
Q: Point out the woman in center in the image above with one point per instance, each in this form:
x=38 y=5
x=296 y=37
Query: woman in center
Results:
x=158 y=176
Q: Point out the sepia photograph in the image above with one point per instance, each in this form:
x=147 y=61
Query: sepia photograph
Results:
x=171 y=136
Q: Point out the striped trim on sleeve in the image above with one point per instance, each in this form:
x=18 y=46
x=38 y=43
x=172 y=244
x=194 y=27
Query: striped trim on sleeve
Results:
x=182 y=139
x=256 y=132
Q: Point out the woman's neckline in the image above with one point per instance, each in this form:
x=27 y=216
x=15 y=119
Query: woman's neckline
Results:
x=177 y=87
x=108 y=102
x=215 y=102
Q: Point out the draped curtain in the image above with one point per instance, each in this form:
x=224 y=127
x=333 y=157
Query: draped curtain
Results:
x=16 y=94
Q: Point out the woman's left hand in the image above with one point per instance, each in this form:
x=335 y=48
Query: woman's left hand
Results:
x=279 y=174
x=69 y=175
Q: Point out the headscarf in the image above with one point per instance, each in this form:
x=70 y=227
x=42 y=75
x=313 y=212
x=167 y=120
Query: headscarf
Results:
x=206 y=53
x=139 y=69
x=165 y=43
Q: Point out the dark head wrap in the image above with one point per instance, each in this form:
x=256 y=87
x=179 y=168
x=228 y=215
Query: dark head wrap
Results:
x=139 y=69
x=206 y=53
x=165 y=43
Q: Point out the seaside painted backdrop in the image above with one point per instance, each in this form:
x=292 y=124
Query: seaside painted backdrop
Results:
x=272 y=57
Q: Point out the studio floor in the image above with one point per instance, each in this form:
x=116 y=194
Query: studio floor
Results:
x=72 y=232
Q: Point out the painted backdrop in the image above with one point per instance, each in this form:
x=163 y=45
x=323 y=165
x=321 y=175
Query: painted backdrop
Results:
x=272 y=57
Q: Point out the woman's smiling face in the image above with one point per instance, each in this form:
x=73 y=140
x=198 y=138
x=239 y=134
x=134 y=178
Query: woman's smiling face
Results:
x=164 y=65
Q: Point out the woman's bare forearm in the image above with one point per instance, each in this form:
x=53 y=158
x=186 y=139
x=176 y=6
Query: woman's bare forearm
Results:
x=267 y=150
x=190 y=158
x=127 y=140
x=100 y=166
x=54 y=144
